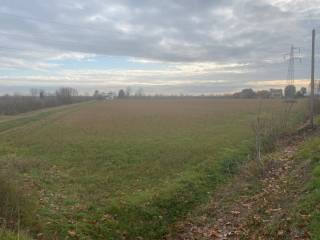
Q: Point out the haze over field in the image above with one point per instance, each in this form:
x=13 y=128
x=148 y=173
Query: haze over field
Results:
x=168 y=47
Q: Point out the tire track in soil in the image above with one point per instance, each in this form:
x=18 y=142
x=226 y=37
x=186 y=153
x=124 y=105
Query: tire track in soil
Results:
x=41 y=118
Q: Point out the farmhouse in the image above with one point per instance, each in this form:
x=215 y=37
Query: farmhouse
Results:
x=276 y=93
x=109 y=96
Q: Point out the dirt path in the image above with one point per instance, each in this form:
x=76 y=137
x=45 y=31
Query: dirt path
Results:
x=42 y=116
x=253 y=206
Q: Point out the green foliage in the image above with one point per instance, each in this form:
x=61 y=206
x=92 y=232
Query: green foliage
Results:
x=8 y=235
x=309 y=204
x=21 y=121
x=290 y=91
x=15 y=204
x=234 y=158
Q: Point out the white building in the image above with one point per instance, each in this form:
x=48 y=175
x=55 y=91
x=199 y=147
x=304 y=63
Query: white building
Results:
x=109 y=96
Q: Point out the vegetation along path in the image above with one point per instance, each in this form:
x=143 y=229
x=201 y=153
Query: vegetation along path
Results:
x=258 y=205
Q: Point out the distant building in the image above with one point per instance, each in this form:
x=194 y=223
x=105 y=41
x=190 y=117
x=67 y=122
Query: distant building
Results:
x=316 y=88
x=105 y=96
x=109 y=96
x=276 y=93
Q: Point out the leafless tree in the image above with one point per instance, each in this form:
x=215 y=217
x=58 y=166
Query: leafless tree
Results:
x=34 y=92
x=139 y=92
x=17 y=103
x=66 y=94
x=128 y=91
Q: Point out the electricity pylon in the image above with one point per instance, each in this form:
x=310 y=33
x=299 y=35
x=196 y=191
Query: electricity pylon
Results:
x=295 y=54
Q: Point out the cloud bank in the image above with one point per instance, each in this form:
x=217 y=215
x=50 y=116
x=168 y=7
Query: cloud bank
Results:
x=187 y=46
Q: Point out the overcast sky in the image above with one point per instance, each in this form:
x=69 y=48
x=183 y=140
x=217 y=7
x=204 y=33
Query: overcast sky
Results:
x=163 y=46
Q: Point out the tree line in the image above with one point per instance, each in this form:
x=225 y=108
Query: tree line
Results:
x=289 y=92
x=38 y=99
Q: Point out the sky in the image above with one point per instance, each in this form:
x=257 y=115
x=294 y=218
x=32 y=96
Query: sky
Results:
x=164 y=47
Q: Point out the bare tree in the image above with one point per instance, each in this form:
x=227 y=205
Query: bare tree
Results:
x=128 y=91
x=139 y=92
x=65 y=94
x=34 y=92
x=42 y=94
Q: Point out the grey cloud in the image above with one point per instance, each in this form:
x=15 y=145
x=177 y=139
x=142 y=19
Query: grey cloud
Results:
x=241 y=31
x=163 y=30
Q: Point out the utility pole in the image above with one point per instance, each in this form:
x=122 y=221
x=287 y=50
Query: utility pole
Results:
x=312 y=79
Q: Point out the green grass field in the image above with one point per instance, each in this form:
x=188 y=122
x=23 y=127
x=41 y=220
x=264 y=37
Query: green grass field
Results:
x=124 y=169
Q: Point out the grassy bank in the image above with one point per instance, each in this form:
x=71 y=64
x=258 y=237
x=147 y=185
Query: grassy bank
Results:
x=308 y=210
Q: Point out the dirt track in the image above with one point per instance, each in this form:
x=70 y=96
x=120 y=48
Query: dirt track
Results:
x=254 y=206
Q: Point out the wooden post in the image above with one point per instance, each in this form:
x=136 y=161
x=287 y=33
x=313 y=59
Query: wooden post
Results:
x=312 y=79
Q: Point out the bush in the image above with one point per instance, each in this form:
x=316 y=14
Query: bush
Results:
x=15 y=207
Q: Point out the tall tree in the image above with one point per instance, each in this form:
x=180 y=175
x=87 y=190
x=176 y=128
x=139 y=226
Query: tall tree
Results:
x=121 y=94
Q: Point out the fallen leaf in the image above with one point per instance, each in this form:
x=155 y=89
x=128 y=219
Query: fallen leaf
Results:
x=236 y=213
x=72 y=233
